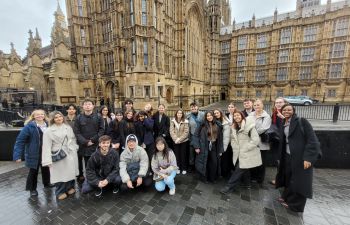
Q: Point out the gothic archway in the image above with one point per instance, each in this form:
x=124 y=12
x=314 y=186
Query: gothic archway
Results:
x=110 y=95
x=169 y=95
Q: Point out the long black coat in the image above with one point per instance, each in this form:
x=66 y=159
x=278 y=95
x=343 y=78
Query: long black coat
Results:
x=304 y=146
x=162 y=128
x=200 y=140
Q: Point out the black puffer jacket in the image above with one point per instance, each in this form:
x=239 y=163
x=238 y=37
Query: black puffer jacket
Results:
x=102 y=167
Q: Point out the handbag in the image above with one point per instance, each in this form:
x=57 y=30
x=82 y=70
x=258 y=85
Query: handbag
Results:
x=271 y=135
x=60 y=154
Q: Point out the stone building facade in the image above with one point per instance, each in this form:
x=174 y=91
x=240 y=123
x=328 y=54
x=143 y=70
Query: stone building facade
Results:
x=48 y=72
x=163 y=51
x=304 y=52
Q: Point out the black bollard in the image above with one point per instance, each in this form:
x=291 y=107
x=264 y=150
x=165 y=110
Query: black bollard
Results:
x=336 y=113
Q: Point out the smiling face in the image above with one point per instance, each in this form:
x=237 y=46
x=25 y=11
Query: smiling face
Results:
x=39 y=116
x=161 y=109
x=58 y=119
x=231 y=108
x=160 y=146
x=209 y=117
x=179 y=115
x=217 y=114
x=258 y=106
x=279 y=102
x=237 y=117
x=104 y=147
x=104 y=111
x=131 y=145
x=129 y=115
x=128 y=106
x=288 y=111
x=119 y=117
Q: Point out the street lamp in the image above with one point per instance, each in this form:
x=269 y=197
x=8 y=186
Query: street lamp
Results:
x=158 y=84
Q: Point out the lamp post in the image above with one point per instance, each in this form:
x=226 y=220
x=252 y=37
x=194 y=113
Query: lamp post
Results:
x=158 y=85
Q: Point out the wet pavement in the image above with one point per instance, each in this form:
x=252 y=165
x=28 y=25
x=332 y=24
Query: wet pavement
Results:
x=193 y=203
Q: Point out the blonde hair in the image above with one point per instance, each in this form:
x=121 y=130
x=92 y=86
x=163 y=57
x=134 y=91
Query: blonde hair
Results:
x=31 y=117
x=52 y=117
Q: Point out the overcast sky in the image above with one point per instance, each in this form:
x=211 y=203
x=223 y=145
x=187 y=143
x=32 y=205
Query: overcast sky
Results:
x=18 y=16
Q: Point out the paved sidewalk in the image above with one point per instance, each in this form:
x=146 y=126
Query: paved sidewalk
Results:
x=194 y=203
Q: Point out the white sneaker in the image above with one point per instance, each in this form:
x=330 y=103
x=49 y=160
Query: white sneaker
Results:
x=172 y=191
x=177 y=171
x=184 y=172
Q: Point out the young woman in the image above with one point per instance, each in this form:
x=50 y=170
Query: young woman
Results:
x=127 y=127
x=30 y=141
x=179 y=132
x=246 y=154
x=230 y=108
x=115 y=130
x=208 y=145
x=106 y=116
x=300 y=151
x=226 y=158
x=164 y=166
x=144 y=132
x=60 y=137
x=277 y=120
x=162 y=125
x=262 y=123
x=71 y=114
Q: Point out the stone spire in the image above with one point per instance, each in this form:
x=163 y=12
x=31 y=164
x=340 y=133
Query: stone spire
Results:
x=37 y=39
x=275 y=16
x=59 y=32
x=329 y=3
x=14 y=57
x=253 y=21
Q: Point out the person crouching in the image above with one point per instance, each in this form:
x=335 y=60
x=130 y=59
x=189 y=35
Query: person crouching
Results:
x=134 y=165
x=102 y=169
x=164 y=166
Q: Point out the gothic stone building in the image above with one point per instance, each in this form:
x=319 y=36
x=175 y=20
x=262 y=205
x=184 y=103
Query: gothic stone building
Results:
x=148 y=50
x=46 y=71
x=304 y=52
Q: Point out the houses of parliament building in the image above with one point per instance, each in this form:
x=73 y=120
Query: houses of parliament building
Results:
x=176 y=52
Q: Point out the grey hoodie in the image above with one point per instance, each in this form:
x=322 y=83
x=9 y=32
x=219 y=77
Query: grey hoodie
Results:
x=137 y=155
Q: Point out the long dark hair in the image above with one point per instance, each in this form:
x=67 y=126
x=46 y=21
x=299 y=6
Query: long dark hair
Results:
x=214 y=124
x=116 y=122
x=235 y=124
x=166 y=148
x=105 y=107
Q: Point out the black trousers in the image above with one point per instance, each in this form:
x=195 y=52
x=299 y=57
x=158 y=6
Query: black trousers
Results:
x=226 y=162
x=32 y=179
x=80 y=164
x=180 y=151
x=236 y=176
x=146 y=182
x=258 y=173
x=296 y=202
x=212 y=163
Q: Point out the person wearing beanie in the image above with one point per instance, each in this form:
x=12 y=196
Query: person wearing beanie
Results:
x=134 y=164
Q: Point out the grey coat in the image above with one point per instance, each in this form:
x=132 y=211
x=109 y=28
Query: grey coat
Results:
x=262 y=123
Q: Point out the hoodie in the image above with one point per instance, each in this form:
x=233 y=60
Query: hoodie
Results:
x=137 y=155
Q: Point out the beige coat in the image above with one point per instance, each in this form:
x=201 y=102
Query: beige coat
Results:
x=66 y=169
x=245 y=145
x=182 y=133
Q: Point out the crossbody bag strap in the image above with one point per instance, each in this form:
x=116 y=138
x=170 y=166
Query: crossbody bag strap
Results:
x=56 y=153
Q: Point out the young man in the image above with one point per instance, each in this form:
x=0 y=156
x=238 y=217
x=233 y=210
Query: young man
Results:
x=102 y=168
x=195 y=118
x=88 y=127
x=248 y=107
x=134 y=165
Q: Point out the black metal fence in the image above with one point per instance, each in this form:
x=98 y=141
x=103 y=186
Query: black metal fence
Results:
x=317 y=112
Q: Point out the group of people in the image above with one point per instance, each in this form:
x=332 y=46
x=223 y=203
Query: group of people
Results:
x=130 y=149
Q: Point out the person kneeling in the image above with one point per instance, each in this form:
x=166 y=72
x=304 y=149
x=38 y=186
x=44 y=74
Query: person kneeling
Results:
x=102 y=169
x=164 y=166
x=134 y=165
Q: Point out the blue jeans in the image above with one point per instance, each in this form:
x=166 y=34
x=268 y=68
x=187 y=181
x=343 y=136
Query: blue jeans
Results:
x=63 y=187
x=160 y=185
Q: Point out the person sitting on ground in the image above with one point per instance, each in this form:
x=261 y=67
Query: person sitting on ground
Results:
x=164 y=166
x=102 y=168
x=134 y=165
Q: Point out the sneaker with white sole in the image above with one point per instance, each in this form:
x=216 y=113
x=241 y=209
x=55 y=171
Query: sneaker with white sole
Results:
x=184 y=172
x=177 y=171
x=98 y=192
x=172 y=191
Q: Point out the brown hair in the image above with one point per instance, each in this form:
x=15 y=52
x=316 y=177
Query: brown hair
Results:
x=52 y=117
x=183 y=115
x=104 y=138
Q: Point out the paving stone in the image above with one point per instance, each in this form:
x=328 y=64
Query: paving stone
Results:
x=194 y=203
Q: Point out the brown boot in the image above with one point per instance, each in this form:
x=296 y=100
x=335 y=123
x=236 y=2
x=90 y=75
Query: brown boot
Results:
x=71 y=191
x=62 y=196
